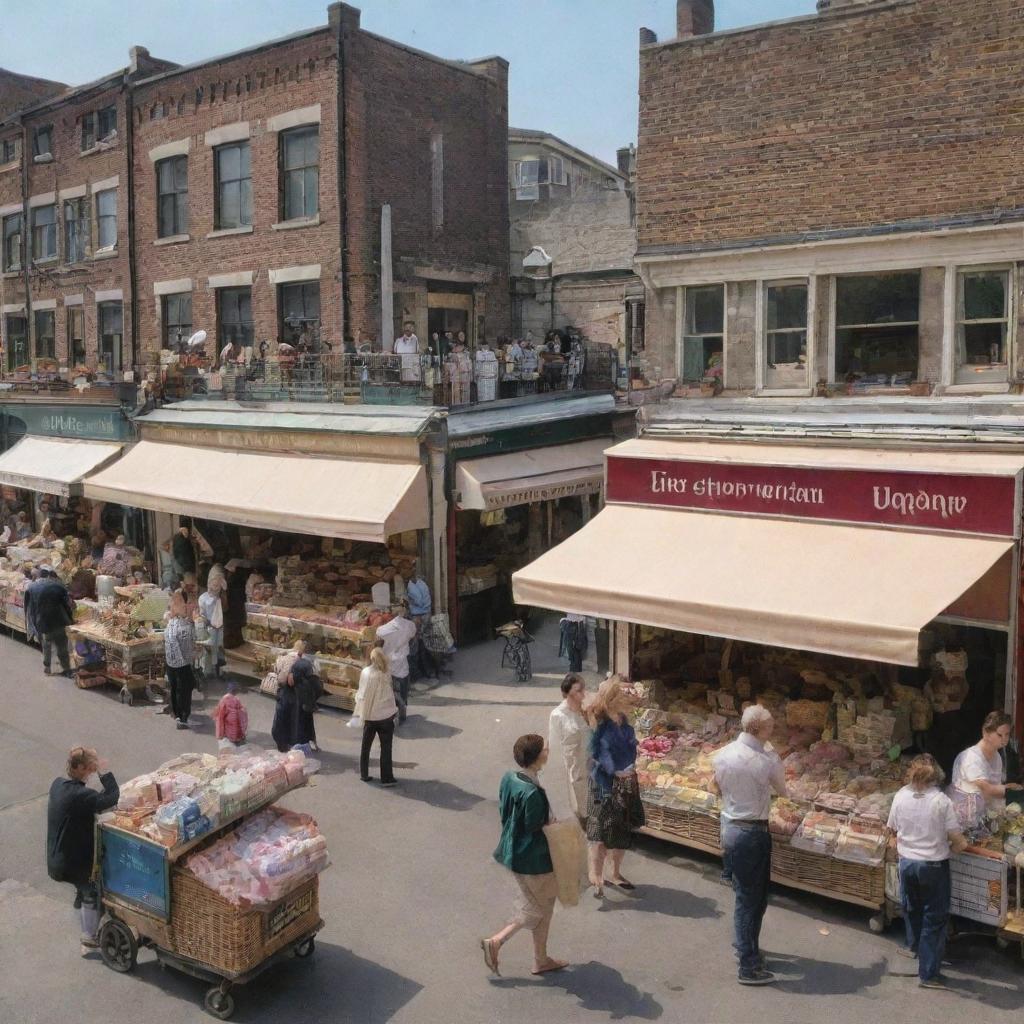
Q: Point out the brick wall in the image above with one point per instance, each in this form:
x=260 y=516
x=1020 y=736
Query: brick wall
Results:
x=896 y=112
x=19 y=91
x=251 y=88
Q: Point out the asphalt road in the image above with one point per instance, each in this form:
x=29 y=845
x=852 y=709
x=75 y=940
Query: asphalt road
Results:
x=412 y=889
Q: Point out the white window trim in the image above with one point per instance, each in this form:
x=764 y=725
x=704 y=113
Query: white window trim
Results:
x=680 y=316
x=77 y=192
x=74 y=300
x=13 y=307
x=236 y=132
x=242 y=279
x=294 y=118
x=113 y=295
x=43 y=305
x=176 y=287
x=105 y=185
x=10 y=209
x=761 y=336
x=44 y=199
x=289 y=275
x=169 y=149
x=949 y=333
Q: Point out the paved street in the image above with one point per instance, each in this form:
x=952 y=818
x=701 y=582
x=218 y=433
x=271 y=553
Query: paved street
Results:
x=412 y=889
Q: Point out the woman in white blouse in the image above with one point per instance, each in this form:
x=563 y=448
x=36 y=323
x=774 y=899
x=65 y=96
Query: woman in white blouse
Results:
x=978 y=771
x=569 y=731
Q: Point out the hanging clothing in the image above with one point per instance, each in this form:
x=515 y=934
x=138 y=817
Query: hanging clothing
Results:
x=573 y=641
x=486 y=375
x=408 y=349
x=460 y=376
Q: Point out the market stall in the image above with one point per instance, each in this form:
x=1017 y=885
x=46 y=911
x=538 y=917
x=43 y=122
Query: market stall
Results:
x=196 y=863
x=832 y=586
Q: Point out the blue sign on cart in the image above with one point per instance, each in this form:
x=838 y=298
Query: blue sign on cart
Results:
x=135 y=870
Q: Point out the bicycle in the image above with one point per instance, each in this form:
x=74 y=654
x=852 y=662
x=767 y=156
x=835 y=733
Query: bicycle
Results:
x=516 y=652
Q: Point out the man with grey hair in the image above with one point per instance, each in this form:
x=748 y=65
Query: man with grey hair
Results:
x=747 y=771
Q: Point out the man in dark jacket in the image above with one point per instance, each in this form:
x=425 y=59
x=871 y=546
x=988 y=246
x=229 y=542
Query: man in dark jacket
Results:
x=50 y=610
x=70 y=835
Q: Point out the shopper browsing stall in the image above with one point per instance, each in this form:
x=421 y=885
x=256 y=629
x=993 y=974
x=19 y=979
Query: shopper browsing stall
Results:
x=211 y=608
x=49 y=610
x=569 y=733
x=979 y=774
x=747 y=773
x=378 y=709
x=70 y=832
x=614 y=807
x=396 y=637
x=179 y=656
x=927 y=831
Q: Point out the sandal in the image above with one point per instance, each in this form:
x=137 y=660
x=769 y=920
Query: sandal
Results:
x=551 y=965
x=490 y=956
x=624 y=884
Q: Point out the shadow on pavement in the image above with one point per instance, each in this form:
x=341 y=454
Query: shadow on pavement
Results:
x=806 y=976
x=418 y=727
x=657 y=899
x=596 y=987
x=333 y=984
x=437 y=794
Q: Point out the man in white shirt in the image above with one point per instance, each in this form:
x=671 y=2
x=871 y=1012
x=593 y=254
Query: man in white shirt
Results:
x=747 y=772
x=395 y=637
x=211 y=608
x=408 y=347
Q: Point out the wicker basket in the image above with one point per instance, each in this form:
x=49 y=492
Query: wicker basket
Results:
x=206 y=927
x=690 y=826
x=855 y=883
x=807 y=714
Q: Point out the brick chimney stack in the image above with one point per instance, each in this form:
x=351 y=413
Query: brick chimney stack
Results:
x=694 y=18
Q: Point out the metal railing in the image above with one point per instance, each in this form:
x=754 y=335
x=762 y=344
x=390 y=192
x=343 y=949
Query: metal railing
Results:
x=380 y=378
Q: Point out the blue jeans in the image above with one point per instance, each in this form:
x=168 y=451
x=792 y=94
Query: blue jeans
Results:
x=747 y=856
x=926 y=892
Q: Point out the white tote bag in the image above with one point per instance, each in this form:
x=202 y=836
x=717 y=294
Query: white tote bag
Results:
x=568 y=847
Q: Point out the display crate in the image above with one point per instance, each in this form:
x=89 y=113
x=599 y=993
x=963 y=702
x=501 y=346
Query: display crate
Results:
x=814 y=872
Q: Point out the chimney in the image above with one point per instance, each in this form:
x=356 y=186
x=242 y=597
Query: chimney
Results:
x=137 y=55
x=647 y=37
x=626 y=159
x=694 y=18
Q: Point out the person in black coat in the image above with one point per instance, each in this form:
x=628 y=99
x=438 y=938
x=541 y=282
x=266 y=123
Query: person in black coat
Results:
x=49 y=610
x=70 y=833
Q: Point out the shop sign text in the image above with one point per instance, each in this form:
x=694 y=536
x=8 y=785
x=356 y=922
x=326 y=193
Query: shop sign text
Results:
x=933 y=501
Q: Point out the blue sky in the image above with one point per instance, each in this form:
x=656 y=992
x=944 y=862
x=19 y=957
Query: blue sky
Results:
x=573 y=62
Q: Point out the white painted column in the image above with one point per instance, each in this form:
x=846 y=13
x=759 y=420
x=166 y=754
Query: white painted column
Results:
x=387 y=283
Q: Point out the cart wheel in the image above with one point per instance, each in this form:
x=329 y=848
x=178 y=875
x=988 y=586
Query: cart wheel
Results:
x=877 y=924
x=306 y=948
x=220 y=1004
x=118 y=946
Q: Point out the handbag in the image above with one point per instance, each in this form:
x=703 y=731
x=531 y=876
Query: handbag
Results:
x=270 y=684
x=568 y=848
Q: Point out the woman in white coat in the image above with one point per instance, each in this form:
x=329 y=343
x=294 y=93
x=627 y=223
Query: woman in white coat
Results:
x=569 y=732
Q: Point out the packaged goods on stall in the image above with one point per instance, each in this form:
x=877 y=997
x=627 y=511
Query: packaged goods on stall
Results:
x=818 y=833
x=861 y=841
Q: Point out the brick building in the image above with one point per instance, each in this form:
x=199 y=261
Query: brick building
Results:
x=573 y=239
x=834 y=204
x=252 y=195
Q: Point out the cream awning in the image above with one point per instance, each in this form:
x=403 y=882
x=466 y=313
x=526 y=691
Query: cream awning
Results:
x=853 y=591
x=326 y=497
x=541 y=474
x=54 y=465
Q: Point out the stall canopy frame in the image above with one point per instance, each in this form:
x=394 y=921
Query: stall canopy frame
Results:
x=54 y=465
x=355 y=499
x=852 y=591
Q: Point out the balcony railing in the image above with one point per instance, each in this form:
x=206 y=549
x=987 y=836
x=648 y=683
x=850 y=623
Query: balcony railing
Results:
x=49 y=382
x=381 y=378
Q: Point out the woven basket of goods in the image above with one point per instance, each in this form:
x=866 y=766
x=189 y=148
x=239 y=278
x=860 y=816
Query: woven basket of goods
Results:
x=807 y=714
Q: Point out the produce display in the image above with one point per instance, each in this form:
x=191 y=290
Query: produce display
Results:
x=191 y=794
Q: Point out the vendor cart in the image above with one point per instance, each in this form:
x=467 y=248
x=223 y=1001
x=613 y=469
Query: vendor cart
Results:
x=133 y=665
x=151 y=900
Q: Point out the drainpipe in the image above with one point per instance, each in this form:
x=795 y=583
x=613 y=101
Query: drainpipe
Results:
x=342 y=171
x=26 y=246
x=133 y=294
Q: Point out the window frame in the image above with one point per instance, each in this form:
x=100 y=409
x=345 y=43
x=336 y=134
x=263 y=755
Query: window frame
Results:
x=834 y=326
x=73 y=314
x=15 y=267
x=178 y=197
x=682 y=311
x=114 y=366
x=636 y=324
x=83 y=223
x=44 y=316
x=9 y=348
x=285 y=172
x=13 y=143
x=166 y=302
x=101 y=217
x=761 y=384
x=42 y=129
x=234 y=294
x=285 y=330
x=219 y=184
x=35 y=211
x=999 y=378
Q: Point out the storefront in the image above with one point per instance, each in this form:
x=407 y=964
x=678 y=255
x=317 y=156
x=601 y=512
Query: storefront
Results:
x=867 y=596
x=523 y=479
x=315 y=529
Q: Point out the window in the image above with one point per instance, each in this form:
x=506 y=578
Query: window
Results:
x=177 y=319
x=46 y=345
x=98 y=126
x=44 y=232
x=877 y=329
x=110 y=319
x=12 y=242
x=17 y=341
x=437 y=180
x=234 y=317
x=300 y=172
x=556 y=171
x=299 y=310
x=233 y=186
x=703 y=332
x=106 y=219
x=982 y=326
x=42 y=141
x=76 y=230
x=785 y=337
x=8 y=151
x=635 y=310
x=526 y=179
x=76 y=335
x=172 y=197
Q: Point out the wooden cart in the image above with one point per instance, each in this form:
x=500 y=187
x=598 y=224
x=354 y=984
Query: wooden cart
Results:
x=152 y=901
x=133 y=665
